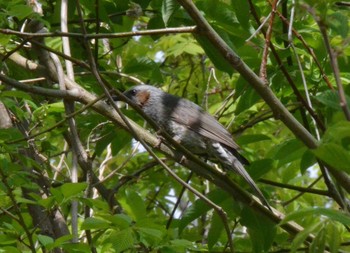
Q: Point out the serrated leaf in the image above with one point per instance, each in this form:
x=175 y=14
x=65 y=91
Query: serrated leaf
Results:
x=72 y=189
x=45 y=240
x=260 y=167
x=8 y=134
x=150 y=236
x=318 y=244
x=215 y=230
x=262 y=231
x=331 y=214
x=184 y=45
x=290 y=151
x=199 y=208
x=331 y=99
x=7 y=239
x=301 y=236
x=62 y=240
x=339 y=22
x=334 y=155
x=56 y=107
x=332 y=237
x=122 y=240
x=134 y=205
x=15 y=93
x=249 y=98
x=76 y=247
x=122 y=221
x=307 y=160
x=215 y=56
x=94 y=223
x=25 y=201
x=146 y=67
x=168 y=9
x=19 y=11
x=242 y=11
x=9 y=249
x=252 y=138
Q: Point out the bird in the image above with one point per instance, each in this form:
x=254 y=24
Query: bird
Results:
x=194 y=128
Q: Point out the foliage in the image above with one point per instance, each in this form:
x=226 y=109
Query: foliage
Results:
x=122 y=199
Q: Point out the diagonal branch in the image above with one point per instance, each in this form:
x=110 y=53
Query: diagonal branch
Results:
x=205 y=30
x=197 y=166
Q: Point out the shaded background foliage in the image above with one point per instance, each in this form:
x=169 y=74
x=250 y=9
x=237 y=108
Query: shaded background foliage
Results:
x=122 y=199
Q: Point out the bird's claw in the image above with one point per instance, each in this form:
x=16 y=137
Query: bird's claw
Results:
x=160 y=140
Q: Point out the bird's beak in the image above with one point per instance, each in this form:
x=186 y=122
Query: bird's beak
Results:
x=118 y=100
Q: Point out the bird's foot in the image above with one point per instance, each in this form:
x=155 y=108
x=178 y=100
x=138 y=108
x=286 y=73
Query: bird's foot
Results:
x=160 y=139
x=182 y=159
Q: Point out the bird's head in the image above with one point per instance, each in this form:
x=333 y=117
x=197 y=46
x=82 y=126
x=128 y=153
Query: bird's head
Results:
x=141 y=94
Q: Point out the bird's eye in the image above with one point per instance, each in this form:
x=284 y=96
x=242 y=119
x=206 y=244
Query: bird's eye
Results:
x=133 y=92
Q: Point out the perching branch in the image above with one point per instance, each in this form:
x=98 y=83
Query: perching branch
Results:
x=199 y=167
x=204 y=29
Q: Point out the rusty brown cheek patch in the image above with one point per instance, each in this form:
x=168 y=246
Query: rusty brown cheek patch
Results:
x=142 y=97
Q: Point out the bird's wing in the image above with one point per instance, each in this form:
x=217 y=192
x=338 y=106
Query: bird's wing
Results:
x=199 y=121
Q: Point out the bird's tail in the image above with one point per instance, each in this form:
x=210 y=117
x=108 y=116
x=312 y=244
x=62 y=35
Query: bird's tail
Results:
x=239 y=169
x=231 y=162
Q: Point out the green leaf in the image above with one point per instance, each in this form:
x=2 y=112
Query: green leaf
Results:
x=62 y=240
x=215 y=230
x=331 y=99
x=7 y=239
x=168 y=9
x=332 y=237
x=71 y=189
x=94 y=223
x=290 y=151
x=262 y=230
x=339 y=22
x=178 y=245
x=334 y=215
x=260 y=167
x=214 y=55
x=76 y=247
x=319 y=243
x=150 y=236
x=301 y=236
x=252 y=138
x=9 y=249
x=122 y=240
x=307 y=160
x=134 y=205
x=335 y=146
x=121 y=221
x=121 y=139
x=146 y=67
x=15 y=93
x=249 y=98
x=19 y=11
x=184 y=44
x=45 y=240
x=8 y=134
x=199 y=208
x=334 y=155
x=242 y=11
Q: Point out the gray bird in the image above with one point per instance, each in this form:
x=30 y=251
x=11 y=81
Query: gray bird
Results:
x=194 y=128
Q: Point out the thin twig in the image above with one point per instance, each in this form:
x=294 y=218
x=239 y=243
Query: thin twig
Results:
x=189 y=29
x=265 y=54
x=297 y=188
x=220 y=211
x=333 y=61
x=287 y=75
x=308 y=48
x=178 y=201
